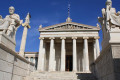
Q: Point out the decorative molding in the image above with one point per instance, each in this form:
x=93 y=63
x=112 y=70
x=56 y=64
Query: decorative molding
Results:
x=41 y=38
x=74 y=37
x=63 y=38
x=97 y=37
x=69 y=26
x=86 y=37
x=51 y=38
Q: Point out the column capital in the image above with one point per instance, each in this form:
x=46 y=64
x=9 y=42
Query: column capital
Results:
x=51 y=38
x=86 y=37
x=41 y=38
x=74 y=37
x=63 y=38
x=97 y=37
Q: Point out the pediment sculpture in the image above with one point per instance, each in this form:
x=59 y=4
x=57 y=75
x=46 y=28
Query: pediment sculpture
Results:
x=10 y=23
x=69 y=26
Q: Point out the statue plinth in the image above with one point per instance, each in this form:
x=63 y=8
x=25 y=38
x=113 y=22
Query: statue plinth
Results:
x=111 y=37
x=110 y=22
x=7 y=41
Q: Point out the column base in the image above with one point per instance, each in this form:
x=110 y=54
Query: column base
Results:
x=74 y=71
x=86 y=71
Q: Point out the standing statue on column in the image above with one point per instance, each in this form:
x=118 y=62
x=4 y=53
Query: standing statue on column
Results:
x=110 y=18
x=10 y=23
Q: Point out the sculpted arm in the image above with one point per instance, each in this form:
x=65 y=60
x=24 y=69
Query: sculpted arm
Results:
x=16 y=17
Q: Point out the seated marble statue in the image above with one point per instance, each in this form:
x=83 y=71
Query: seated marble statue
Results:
x=10 y=23
x=114 y=17
x=110 y=17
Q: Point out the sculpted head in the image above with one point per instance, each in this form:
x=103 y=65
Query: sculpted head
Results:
x=109 y=3
x=11 y=10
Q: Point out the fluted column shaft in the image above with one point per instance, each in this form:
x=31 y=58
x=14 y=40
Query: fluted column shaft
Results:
x=52 y=55
x=63 y=54
x=74 y=54
x=94 y=48
x=40 y=57
x=86 y=55
x=29 y=58
x=33 y=60
x=97 y=46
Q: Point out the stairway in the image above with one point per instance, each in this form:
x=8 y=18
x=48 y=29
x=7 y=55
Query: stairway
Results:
x=86 y=76
x=59 y=76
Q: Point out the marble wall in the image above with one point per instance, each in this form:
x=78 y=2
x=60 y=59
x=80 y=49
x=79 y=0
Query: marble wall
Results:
x=105 y=66
x=116 y=60
x=13 y=66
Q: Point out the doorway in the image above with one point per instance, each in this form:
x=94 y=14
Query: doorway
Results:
x=69 y=62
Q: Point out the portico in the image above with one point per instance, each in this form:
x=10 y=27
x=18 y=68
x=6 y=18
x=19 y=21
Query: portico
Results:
x=68 y=46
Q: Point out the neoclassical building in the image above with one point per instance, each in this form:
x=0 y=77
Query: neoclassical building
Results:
x=68 y=46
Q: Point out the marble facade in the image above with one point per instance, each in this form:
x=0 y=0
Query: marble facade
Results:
x=67 y=51
x=68 y=39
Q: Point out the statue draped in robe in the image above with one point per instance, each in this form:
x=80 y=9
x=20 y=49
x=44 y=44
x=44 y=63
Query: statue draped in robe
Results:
x=110 y=16
x=10 y=23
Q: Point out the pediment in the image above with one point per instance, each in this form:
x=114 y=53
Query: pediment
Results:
x=69 y=26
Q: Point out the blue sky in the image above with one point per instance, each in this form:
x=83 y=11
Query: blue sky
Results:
x=49 y=12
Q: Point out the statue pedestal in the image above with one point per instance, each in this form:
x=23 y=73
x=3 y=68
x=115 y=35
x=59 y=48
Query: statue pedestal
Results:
x=110 y=56
x=112 y=37
x=7 y=41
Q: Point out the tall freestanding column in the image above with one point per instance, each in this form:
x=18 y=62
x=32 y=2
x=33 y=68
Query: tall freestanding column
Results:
x=74 y=54
x=40 y=66
x=63 y=54
x=24 y=36
x=86 y=55
x=52 y=62
x=97 y=46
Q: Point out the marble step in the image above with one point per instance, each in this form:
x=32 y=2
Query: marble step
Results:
x=35 y=78
x=60 y=76
x=53 y=73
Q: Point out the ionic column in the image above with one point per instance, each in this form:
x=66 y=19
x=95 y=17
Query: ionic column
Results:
x=74 y=54
x=97 y=46
x=29 y=59
x=94 y=49
x=63 y=53
x=52 y=55
x=86 y=55
x=40 y=56
x=34 y=60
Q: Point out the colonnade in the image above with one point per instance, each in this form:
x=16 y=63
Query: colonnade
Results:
x=52 y=61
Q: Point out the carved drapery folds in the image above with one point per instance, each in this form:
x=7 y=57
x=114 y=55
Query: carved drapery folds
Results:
x=111 y=18
x=10 y=23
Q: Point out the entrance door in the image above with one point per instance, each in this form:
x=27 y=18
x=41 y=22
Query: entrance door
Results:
x=69 y=63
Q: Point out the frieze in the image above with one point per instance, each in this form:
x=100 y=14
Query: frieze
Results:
x=68 y=26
